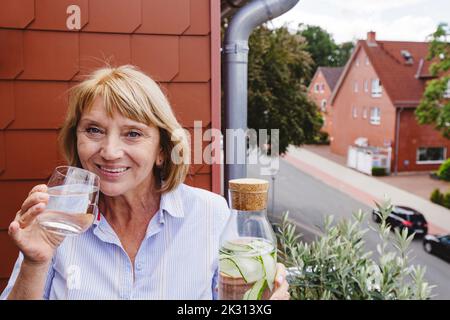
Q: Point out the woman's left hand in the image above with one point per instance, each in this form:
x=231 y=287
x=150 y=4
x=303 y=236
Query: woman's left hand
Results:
x=281 y=285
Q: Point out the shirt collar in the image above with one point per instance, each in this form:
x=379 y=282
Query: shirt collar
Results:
x=171 y=202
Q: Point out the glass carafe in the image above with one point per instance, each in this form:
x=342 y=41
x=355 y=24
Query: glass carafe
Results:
x=248 y=246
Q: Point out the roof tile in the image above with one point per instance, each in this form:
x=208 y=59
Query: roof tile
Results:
x=2 y=152
x=195 y=62
x=114 y=16
x=7 y=103
x=29 y=154
x=202 y=181
x=331 y=75
x=11 y=53
x=39 y=98
x=156 y=55
x=52 y=14
x=191 y=102
x=397 y=78
x=165 y=17
x=200 y=18
x=98 y=50
x=50 y=55
x=16 y=13
x=15 y=192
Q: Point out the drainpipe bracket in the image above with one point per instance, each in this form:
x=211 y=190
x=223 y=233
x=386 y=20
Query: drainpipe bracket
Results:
x=237 y=47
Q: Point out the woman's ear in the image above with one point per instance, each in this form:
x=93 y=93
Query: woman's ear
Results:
x=160 y=158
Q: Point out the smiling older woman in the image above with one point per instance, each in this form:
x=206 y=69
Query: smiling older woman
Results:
x=155 y=237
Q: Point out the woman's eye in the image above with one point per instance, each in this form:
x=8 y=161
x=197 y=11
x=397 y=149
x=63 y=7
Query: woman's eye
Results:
x=134 y=134
x=93 y=130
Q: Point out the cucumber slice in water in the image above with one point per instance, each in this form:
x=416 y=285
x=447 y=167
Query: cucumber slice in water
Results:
x=250 y=269
x=256 y=292
x=229 y=267
x=269 y=265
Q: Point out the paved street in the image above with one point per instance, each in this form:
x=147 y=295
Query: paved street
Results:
x=309 y=199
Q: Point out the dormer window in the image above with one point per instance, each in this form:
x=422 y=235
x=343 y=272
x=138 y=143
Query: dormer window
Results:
x=407 y=56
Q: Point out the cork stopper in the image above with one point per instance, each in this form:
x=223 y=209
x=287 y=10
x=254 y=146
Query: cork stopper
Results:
x=248 y=194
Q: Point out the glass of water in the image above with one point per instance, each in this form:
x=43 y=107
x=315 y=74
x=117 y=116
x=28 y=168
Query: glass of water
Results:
x=73 y=198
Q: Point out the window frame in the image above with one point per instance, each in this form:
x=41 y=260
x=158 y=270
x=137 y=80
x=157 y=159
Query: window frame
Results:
x=364 y=113
x=431 y=161
x=316 y=87
x=323 y=107
x=375 y=120
x=354 y=112
x=378 y=93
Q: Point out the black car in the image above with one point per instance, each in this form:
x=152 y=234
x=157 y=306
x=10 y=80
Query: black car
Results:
x=404 y=217
x=438 y=245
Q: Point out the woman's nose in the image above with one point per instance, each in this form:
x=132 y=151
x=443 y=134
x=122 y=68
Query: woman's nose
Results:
x=111 y=149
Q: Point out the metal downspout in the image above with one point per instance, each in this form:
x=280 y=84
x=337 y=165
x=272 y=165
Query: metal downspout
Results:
x=397 y=135
x=236 y=49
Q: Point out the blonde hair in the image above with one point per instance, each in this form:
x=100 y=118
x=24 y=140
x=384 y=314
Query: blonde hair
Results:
x=134 y=95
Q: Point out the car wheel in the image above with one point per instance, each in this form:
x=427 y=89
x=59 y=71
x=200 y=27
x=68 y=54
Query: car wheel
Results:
x=428 y=247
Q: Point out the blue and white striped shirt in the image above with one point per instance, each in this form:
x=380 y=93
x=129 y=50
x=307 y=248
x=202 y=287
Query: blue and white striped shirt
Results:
x=177 y=259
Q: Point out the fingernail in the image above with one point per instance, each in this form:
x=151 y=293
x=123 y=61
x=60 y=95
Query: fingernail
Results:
x=280 y=279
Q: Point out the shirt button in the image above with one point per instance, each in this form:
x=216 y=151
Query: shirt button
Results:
x=139 y=266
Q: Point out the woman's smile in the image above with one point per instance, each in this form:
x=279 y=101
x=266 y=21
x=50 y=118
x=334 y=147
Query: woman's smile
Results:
x=116 y=171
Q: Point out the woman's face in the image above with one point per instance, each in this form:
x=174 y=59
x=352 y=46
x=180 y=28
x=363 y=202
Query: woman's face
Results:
x=119 y=150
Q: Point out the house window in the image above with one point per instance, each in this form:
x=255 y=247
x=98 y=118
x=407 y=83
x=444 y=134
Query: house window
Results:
x=322 y=87
x=376 y=88
x=316 y=87
x=357 y=62
x=366 y=85
x=375 y=117
x=447 y=90
x=364 y=115
x=355 y=86
x=323 y=105
x=354 y=112
x=431 y=155
x=367 y=61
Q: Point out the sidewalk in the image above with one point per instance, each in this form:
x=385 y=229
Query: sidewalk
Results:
x=418 y=183
x=366 y=189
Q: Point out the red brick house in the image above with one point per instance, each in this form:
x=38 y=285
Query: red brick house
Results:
x=320 y=90
x=47 y=45
x=375 y=98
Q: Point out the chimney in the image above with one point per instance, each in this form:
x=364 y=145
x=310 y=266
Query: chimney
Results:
x=371 y=39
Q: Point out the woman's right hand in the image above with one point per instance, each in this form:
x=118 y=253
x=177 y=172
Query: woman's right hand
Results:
x=36 y=244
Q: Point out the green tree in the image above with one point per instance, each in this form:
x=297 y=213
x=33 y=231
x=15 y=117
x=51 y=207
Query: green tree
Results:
x=322 y=47
x=278 y=68
x=434 y=108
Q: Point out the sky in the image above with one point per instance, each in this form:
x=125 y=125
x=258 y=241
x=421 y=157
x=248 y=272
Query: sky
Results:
x=348 y=20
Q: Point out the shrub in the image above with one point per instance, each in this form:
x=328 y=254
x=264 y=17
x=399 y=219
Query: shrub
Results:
x=335 y=265
x=444 y=170
x=446 y=200
x=378 y=171
x=437 y=197
x=322 y=138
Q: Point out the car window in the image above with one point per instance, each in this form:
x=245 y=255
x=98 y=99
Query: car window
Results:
x=445 y=240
